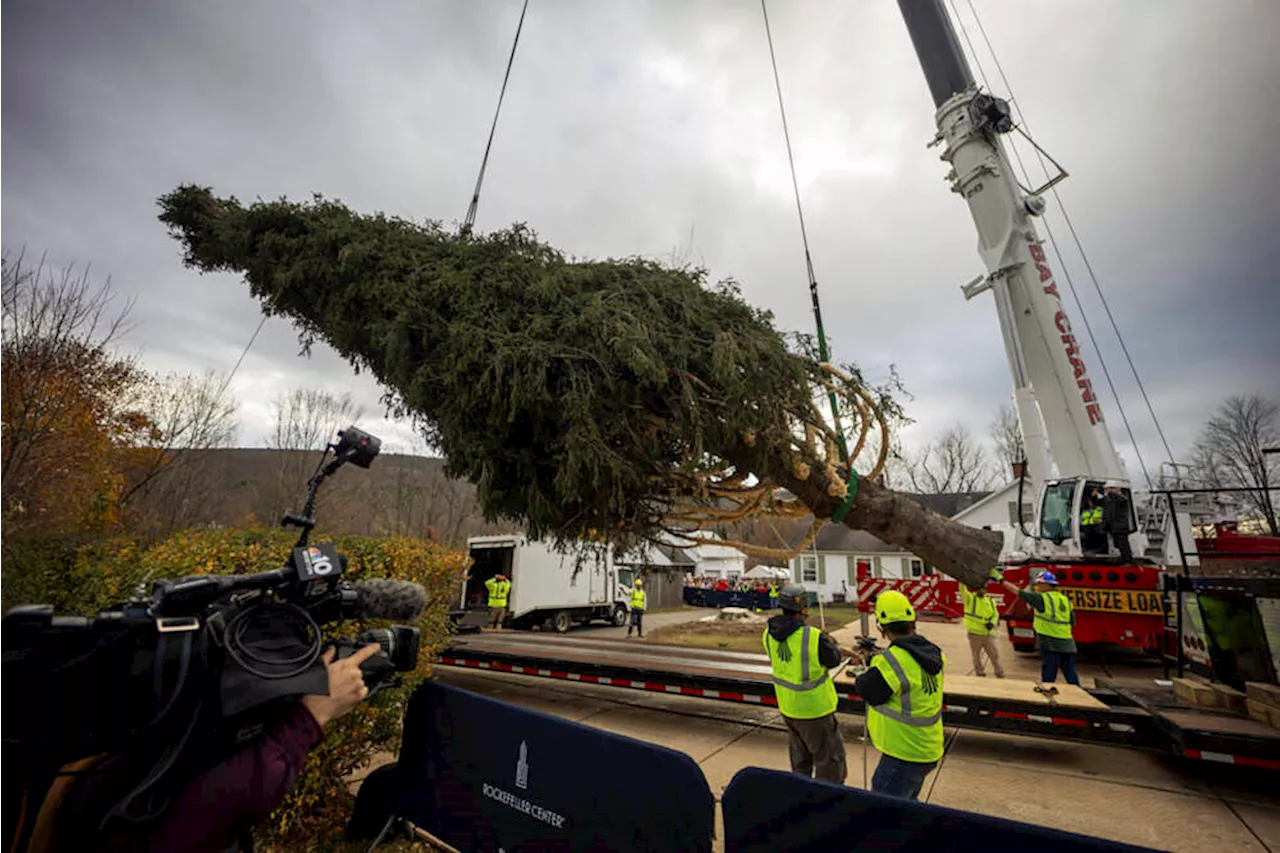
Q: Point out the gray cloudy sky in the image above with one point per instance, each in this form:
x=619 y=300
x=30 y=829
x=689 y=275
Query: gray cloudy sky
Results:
x=651 y=127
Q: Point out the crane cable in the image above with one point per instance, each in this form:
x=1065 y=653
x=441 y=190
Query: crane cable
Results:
x=467 y=223
x=1066 y=273
x=239 y=361
x=824 y=355
x=470 y=220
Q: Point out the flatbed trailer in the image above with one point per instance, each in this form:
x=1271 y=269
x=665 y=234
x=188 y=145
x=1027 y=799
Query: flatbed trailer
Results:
x=1149 y=719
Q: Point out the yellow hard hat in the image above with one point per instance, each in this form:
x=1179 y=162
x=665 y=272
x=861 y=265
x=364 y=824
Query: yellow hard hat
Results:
x=893 y=606
x=639 y=582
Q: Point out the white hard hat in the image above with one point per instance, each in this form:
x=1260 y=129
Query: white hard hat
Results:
x=1111 y=484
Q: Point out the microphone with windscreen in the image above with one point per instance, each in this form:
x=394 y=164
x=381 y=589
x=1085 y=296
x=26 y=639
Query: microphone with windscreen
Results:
x=382 y=598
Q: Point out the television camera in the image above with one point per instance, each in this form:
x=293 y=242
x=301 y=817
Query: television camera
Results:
x=177 y=676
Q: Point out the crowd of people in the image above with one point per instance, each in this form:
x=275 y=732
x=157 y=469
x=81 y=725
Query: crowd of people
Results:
x=735 y=584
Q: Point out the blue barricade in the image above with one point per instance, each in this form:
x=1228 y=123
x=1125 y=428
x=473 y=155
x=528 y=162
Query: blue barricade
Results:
x=769 y=810
x=487 y=775
x=699 y=597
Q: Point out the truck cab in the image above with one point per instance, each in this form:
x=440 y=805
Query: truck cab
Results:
x=1063 y=505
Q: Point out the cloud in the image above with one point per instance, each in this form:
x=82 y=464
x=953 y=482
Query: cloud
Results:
x=652 y=128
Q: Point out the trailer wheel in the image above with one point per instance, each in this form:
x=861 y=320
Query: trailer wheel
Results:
x=619 y=616
x=562 y=621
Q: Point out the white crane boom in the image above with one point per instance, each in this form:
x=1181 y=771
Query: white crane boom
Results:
x=1045 y=357
x=1070 y=451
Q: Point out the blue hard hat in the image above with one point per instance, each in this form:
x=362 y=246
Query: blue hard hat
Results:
x=1047 y=577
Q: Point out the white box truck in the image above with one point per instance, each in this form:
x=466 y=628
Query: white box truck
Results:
x=546 y=591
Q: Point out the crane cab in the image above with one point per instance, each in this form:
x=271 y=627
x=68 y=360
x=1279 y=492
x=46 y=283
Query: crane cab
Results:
x=1071 y=518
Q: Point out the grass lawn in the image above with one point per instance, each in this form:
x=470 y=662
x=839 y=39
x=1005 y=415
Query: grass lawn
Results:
x=737 y=636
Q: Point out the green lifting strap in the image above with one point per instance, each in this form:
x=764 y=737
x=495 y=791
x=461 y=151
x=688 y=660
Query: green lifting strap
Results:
x=823 y=354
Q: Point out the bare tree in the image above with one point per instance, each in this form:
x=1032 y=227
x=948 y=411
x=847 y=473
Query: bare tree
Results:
x=1231 y=452
x=64 y=390
x=953 y=462
x=308 y=419
x=192 y=413
x=1006 y=434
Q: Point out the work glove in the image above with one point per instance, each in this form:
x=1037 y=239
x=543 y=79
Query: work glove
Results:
x=997 y=575
x=990 y=625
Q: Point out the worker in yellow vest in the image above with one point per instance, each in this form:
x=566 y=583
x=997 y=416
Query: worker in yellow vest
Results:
x=499 y=587
x=800 y=656
x=981 y=616
x=903 y=692
x=637 y=608
x=773 y=596
x=1054 y=616
x=1093 y=536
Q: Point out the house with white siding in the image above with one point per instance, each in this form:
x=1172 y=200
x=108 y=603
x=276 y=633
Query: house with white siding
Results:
x=717 y=561
x=830 y=565
x=710 y=560
x=998 y=511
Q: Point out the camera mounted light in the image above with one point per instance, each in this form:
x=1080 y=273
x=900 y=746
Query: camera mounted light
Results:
x=357 y=446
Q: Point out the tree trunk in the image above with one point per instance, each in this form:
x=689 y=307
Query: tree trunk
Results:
x=965 y=553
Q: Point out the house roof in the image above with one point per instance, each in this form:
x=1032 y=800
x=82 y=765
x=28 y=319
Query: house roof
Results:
x=677 y=556
x=1003 y=492
x=840 y=539
x=837 y=537
x=658 y=556
x=716 y=552
x=947 y=503
x=943 y=503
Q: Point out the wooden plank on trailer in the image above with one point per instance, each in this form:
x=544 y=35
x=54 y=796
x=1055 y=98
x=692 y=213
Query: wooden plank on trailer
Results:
x=1228 y=697
x=1218 y=724
x=606 y=646
x=1069 y=695
x=1196 y=692
x=1263 y=713
x=1260 y=692
x=961 y=687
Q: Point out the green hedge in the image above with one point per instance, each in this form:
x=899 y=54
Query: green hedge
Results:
x=82 y=577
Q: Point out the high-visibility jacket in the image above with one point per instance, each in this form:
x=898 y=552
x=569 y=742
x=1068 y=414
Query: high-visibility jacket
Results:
x=909 y=725
x=773 y=592
x=979 y=612
x=498 y=592
x=1090 y=517
x=637 y=599
x=800 y=681
x=1055 y=621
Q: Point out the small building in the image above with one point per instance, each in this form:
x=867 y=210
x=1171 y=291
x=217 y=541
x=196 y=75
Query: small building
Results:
x=663 y=568
x=998 y=511
x=830 y=566
x=717 y=561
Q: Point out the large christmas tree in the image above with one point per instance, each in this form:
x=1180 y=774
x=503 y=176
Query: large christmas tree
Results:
x=618 y=400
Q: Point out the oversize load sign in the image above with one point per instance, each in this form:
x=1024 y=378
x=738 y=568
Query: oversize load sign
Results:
x=1144 y=602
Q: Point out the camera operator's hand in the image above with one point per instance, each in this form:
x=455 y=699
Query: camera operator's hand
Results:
x=346 y=685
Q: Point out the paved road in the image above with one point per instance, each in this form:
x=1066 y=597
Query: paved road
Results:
x=652 y=621
x=1125 y=795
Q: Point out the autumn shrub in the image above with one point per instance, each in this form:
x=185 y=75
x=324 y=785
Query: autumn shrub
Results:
x=82 y=577
x=38 y=570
